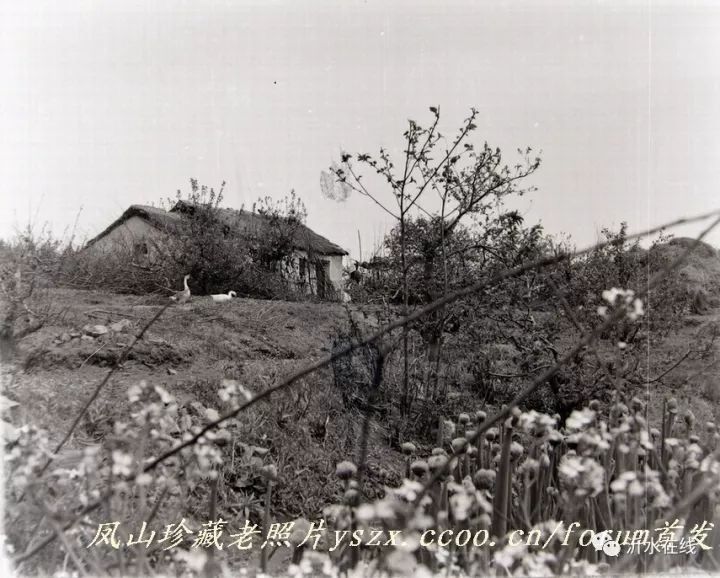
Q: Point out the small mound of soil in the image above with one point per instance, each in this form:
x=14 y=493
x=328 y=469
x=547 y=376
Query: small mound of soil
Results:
x=77 y=353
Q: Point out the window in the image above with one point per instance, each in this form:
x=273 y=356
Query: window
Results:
x=140 y=249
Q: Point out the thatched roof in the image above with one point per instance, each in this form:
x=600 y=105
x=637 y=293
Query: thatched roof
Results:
x=305 y=238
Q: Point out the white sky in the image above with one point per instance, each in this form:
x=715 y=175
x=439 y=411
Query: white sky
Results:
x=105 y=104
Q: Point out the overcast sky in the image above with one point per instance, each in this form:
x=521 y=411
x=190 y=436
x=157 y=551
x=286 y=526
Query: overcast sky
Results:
x=106 y=104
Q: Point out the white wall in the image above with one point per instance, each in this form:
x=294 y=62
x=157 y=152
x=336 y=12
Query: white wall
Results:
x=124 y=236
x=136 y=230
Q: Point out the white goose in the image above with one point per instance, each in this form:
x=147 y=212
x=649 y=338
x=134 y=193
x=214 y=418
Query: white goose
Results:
x=184 y=295
x=222 y=297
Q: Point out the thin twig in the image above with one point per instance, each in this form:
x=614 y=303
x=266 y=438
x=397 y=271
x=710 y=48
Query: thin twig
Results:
x=673 y=366
x=89 y=357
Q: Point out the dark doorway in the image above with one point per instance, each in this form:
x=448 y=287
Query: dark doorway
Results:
x=322 y=271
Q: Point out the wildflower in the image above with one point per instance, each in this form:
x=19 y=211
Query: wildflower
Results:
x=638 y=308
x=419 y=467
x=611 y=295
x=345 y=470
x=485 y=479
x=437 y=462
x=645 y=442
x=409 y=490
x=400 y=562
x=581 y=475
x=134 y=392
x=408 y=448
x=516 y=450
x=144 y=480
x=365 y=513
x=530 y=466
x=579 y=419
x=633 y=306
x=352 y=497
x=464 y=418
x=460 y=504
x=269 y=472
x=710 y=465
x=545 y=460
x=448 y=429
x=510 y=554
x=536 y=423
x=385 y=508
x=538 y=563
x=122 y=463
x=459 y=445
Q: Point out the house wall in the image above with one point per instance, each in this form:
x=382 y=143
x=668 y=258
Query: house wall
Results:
x=336 y=270
x=307 y=280
x=126 y=236
x=131 y=234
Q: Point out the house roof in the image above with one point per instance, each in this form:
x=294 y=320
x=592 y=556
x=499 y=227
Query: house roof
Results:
x=305 y=238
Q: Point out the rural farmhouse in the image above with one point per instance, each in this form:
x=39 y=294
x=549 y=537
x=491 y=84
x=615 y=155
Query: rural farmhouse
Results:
x=316 y=265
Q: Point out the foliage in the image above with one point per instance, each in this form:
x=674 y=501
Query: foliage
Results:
x=621 y=263
x=27 y=264
x=274 y=242
x=202 y=244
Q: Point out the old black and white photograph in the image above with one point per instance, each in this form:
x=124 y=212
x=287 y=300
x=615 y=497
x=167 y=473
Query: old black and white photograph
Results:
x=359 y=288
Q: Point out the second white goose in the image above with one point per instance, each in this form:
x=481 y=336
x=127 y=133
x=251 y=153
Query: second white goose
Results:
x=222 y=297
